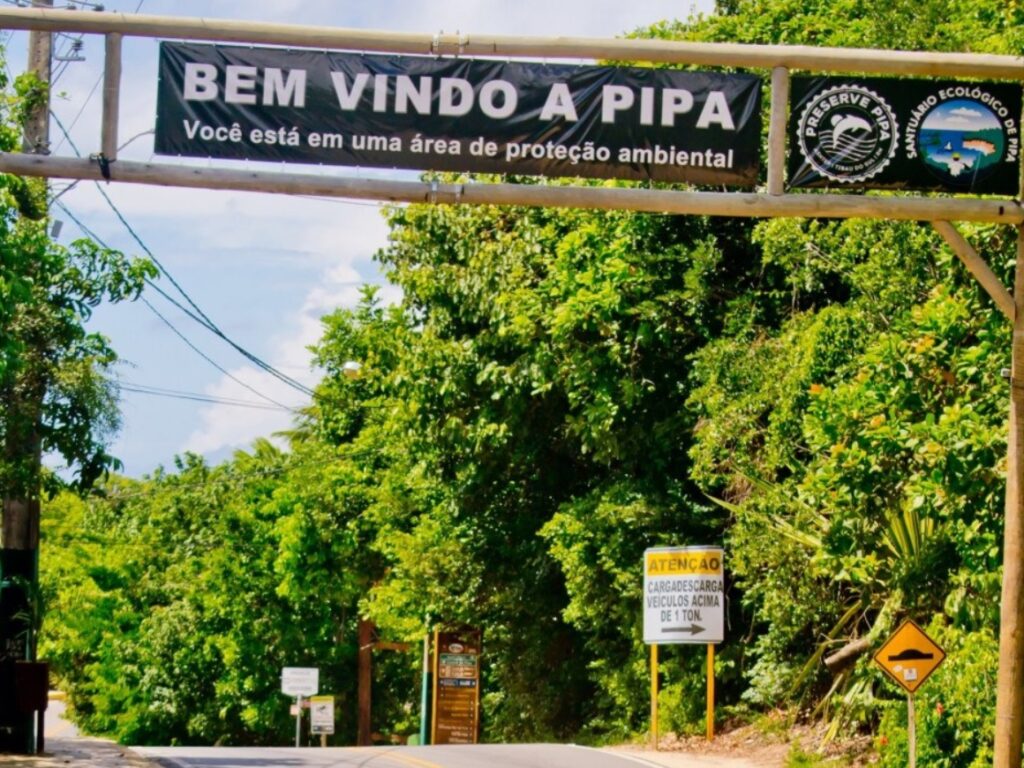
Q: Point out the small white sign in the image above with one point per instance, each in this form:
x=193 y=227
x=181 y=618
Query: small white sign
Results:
x=684 y=595
x=321 y=714
x=300 y=681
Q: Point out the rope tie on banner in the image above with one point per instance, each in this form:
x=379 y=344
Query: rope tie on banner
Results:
x=458 y=193
x=432 y=196
x=104 y=164
x=435 y=45
x=463 y=41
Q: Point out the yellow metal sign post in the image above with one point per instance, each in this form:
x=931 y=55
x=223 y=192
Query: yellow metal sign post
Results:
x=654 y=697
x=909 y=657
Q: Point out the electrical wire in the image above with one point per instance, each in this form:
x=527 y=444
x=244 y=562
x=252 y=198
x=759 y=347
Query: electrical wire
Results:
x=197 y=315
x=81 y=225
x=208 y=359
x=179 y=395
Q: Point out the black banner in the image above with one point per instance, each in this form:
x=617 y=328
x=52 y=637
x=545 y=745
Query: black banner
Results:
x=458 y=114
x=905 y=134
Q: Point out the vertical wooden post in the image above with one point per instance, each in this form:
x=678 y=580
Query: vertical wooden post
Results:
x=711 y=692
x=777 y=131
x=111 y=95
x=1010 y=683
x=40 y=52
x=298 y=721
x=364 y=682
x=654 y=696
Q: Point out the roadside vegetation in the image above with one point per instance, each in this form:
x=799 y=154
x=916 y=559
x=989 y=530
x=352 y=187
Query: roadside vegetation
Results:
x=558 y=391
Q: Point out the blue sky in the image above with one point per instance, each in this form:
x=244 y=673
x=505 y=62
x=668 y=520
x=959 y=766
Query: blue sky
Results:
x=265 y=268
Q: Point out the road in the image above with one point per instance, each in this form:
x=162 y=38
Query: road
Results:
x=56 y=727
x=477 y=756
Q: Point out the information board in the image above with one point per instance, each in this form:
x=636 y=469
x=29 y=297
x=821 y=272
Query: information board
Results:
x=321 y=714
x=883 y=133
x=456 y=687
x=300 y=681
x=684 y=595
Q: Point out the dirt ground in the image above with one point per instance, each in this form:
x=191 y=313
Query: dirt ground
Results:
x=766 y=745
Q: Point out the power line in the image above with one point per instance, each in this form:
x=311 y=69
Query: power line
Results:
x=190 y=314
x=207 y=358
x=194 y=396
x=197 y=315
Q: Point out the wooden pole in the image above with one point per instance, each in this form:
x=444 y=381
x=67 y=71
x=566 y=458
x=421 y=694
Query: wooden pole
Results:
x=40 y=53
x=554 y=196
x=711 y=692
x=777 y=131
x=1010 y=682
x=298 y=721
x=111 y=96
x=364 y=683
x=669 y=51
x=654 y=696
x=977 y=266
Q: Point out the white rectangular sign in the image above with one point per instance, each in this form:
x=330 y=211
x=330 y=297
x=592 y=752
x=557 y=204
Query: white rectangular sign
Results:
x=321 y=714
x=300 y=681
x=684 y=595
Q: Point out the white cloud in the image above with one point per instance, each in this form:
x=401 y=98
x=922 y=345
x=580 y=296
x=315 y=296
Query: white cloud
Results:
x=225 y=426
x=964 y=112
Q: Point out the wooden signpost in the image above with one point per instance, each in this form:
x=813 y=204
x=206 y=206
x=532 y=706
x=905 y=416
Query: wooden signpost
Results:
x=456 y=708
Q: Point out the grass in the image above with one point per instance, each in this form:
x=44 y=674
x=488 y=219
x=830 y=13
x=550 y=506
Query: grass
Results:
x=797 y=758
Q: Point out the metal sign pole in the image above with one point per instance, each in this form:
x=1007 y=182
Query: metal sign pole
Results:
x=298 y=719
x=425 y=691
x=654 y=696
x=911 y=731
x=711 y=692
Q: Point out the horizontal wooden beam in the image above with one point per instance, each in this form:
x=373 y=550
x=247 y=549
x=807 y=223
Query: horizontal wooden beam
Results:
x=800 y=57
x=388 y=645
x=743 y=204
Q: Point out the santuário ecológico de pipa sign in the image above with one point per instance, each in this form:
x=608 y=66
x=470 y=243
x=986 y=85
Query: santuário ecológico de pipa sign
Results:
x=456 y=114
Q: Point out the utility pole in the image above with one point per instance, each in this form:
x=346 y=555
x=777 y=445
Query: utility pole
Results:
x=40 y=54
x=19 y=535
x=1010 y=683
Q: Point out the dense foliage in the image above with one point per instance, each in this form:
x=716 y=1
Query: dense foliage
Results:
x=558 y=391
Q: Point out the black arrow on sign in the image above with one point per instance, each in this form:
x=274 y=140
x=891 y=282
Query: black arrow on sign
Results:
x=693 y=629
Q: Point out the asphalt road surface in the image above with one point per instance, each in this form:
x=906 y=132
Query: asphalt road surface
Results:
x=475 y=756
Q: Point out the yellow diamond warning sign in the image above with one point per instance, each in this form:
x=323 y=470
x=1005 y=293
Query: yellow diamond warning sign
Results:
x=909 y=656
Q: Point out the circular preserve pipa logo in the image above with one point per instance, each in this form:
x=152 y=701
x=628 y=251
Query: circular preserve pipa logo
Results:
x=848 y=133
x=960 y=134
